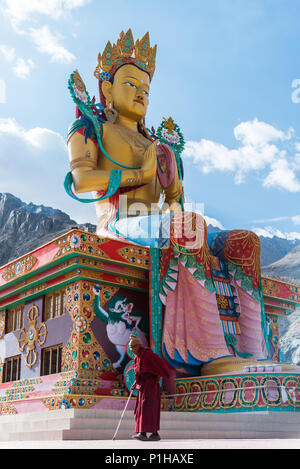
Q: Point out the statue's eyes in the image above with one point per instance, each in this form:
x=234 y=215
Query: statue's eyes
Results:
x=130 y=84
x=146 y=92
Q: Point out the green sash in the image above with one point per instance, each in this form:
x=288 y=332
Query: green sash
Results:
x=113 y=186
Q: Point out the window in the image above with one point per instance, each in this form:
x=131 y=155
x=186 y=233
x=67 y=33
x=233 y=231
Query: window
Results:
x=11 y=371
x=57 y=304
x=51 y=360
x=54 y=305
x=14 y=319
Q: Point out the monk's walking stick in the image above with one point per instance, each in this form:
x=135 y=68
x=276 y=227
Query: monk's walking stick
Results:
x=117 y=429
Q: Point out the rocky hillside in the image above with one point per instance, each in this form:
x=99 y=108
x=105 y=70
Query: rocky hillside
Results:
x=23 y=227
x=287 y=268
x=289 y=332
x=273 y=249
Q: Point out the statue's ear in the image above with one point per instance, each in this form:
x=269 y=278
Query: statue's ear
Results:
x=106 y=90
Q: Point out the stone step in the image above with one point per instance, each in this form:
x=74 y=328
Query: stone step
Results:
x=180 y=434
x=166 y=416
x=128 y=425
x=168 y=420
x=92 y=424
x=107 y=434
x=48 y=435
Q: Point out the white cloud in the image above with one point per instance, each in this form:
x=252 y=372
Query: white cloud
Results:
x=213 y=222
x=259 y=133
x=2 y=92
x=24 y=15
x=70 y=4
x=270 y=232
x=259 y=151
x=19 y=11
x=23 y=68
x=49 y=43
x=296 y=219
x=8 y=52
x=34 y=163
x=282 y=175
x=37 y=137
x=268 y=220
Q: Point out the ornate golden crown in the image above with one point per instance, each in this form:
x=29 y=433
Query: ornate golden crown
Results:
x=126 y=51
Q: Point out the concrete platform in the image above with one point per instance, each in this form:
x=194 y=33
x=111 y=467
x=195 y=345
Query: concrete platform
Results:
x=181 y=445
x=89 y=425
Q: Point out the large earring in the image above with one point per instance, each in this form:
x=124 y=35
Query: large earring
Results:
x=110 y=113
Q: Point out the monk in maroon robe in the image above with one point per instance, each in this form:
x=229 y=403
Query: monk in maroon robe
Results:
x=149 y=367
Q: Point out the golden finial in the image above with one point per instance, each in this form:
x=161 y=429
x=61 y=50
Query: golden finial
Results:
x=169 y=124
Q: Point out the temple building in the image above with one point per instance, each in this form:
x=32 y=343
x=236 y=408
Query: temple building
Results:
x=65 y=310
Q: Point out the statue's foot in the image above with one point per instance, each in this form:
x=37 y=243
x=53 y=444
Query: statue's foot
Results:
x=233 y=365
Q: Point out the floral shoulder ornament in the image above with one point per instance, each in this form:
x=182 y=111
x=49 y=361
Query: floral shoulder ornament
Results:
x=169 y=133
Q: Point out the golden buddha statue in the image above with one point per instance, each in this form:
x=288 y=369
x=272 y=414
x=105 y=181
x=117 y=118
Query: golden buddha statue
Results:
x=114 y=155
x=125 y=98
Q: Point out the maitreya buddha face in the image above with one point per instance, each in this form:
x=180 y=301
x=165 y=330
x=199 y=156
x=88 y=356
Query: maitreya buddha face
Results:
x=129 y=92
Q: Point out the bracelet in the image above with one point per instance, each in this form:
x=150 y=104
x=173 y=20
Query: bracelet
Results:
x=137 y=178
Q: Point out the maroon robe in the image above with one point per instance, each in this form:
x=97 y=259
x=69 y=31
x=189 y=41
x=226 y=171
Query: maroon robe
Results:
x=149 y=367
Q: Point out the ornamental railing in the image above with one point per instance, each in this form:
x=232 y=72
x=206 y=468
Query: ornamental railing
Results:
x=263 y=397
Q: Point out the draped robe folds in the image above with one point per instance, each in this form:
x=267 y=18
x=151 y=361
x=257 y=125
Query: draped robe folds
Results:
x=149 y=367
x=193 y=332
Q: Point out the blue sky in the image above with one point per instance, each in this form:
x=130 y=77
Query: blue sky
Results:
x=227 y=71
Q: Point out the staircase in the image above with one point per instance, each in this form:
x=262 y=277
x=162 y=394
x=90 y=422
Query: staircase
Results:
x=89 y=424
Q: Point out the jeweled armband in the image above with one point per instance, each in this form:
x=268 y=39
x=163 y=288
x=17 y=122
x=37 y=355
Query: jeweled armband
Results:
x=77 y=162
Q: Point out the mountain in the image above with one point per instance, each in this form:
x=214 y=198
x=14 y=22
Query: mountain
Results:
x=289 y=333
x=273 y=249
x=287 y=268
x=24 y=227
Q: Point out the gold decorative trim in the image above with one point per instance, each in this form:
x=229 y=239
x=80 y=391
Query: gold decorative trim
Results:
x=19 y=267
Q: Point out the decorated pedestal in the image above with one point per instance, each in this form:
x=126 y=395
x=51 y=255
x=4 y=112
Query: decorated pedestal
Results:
x=66 y=312
x=247 y=392
x=55 y=352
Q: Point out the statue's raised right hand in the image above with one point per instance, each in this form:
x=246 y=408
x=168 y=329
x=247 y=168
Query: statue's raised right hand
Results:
x=137 y=177
x=149 y=164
